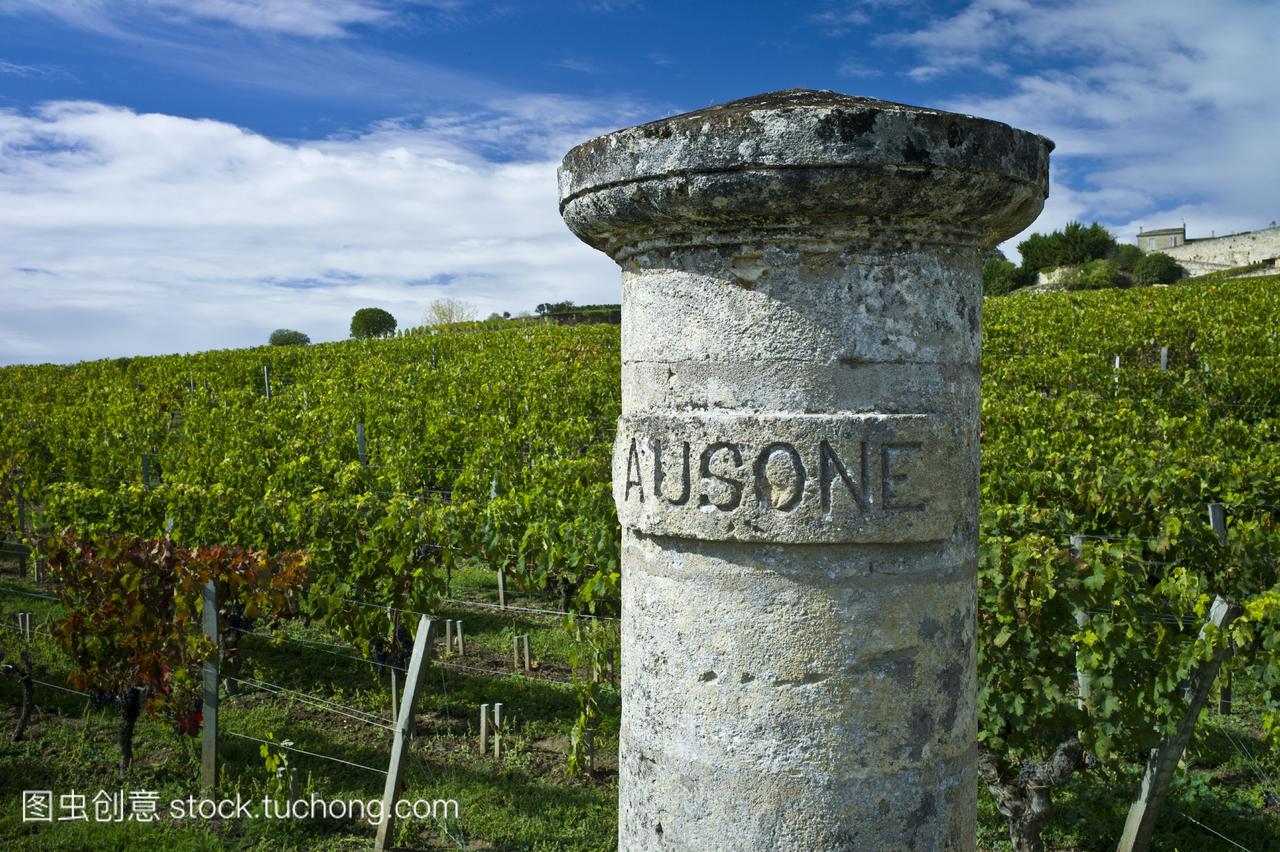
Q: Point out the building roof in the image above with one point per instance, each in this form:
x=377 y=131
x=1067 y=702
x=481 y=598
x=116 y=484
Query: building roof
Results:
x=1162 y=231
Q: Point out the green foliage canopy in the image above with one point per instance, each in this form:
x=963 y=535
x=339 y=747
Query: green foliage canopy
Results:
x=1094 y=275
x=1073 y=245
x=288 y=337
x=999 y=277
x=1126 y=256
x=372 y=322
x=1157 y=268
x=553 y=308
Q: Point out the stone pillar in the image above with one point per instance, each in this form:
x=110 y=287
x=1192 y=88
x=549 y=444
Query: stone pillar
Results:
x=796 y=466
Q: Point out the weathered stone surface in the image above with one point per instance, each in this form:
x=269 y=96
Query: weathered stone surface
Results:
x=787 y=159
x=790 y=478
x=802 y=310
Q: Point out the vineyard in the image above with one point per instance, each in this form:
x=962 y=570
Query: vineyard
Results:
x=333 y=493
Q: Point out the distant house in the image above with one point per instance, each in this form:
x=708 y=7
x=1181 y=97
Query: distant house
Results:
x=1199 y=255
x=1164 y=238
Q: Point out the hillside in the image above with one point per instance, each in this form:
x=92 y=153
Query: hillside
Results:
x=1115 y=416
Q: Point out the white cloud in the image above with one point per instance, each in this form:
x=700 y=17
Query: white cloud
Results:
x=319 y=68
x=140 y=233
x=315 y=18
x=854 y=68
x=837 y=22
x=306 y=18
x=19 y=69
x=1160 y=110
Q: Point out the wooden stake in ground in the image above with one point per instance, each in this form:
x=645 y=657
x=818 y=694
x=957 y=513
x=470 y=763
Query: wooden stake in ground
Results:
x=1163 y=760
x=28 y=697
x=497 y=730
x=1082 y=618
x=392 y=655
x=400 y=747
x=1218 y=521
x=24 y=551
x=209 y=743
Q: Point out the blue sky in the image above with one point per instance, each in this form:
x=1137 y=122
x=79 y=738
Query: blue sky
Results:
x=178 y=175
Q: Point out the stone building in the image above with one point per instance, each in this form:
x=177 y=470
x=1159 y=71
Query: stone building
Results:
x=1211 y=254
x=1164 y=238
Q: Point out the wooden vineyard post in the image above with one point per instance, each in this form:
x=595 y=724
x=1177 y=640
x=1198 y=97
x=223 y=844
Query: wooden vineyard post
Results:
x=23 y=551
x=1218 y=521
x=497 y=730
x=1163 y=760
x=1224 y=694
x=266 y=380
x=391 y=666
x=491 y=728
x=502 y=589
x=361 y=449
x=453 y=637
x=28 y=695
x=209 y=743
x=404 y=722
x=1083 y=682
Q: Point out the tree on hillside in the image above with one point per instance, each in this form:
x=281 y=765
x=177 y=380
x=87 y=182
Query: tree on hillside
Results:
x=553 y=308
x=1157 y=268
x=288 y=337
x=445 y=311
x=1073 y=245
x=1126 y=256
x=372 y=322
x=999 y=277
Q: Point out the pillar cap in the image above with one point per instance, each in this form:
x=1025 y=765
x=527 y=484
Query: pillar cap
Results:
x=806 y=159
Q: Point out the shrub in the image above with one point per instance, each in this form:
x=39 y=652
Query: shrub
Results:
x=1126 y=257
x=288 y=337
x=999 y=277
x=1157 y=268
x=372 y=322
x=1094 y=275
